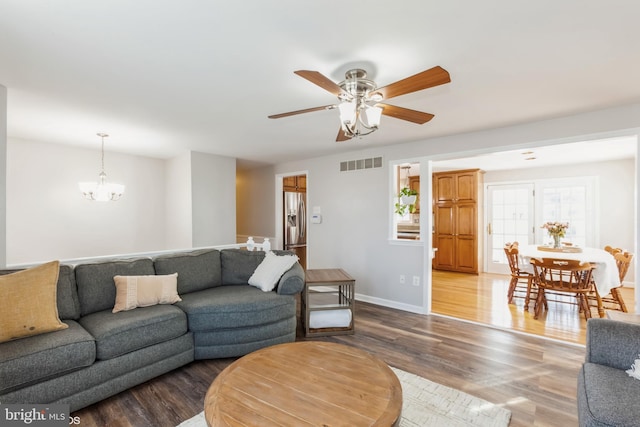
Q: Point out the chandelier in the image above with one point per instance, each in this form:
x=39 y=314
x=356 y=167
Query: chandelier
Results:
x=101 y=191
x=359 y=114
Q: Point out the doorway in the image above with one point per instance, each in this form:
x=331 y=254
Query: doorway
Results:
x=292 y=215
x=598 y=150
x=510 y=213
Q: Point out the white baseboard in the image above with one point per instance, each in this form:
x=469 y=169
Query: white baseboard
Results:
x=391 y=304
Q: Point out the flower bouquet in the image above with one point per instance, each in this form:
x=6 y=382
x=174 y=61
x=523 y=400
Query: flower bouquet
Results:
x=556 y=230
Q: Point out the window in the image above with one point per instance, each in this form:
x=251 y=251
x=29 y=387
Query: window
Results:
x=406 y=201
x=510 y=216
x=571 y=201
x=516 y=212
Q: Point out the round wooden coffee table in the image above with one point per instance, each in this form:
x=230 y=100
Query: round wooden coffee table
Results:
x=305 y=383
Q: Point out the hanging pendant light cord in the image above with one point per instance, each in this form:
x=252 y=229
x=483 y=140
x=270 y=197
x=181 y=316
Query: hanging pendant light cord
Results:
x=102 y=135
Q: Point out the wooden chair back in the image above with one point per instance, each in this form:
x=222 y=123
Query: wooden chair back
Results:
x=612 y=250
x=511 y=251
x=521 y=281
x=561 y=275
x=623 y=261
x=613 y=300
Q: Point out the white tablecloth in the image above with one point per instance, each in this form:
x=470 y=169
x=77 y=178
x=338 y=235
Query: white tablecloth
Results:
x=605 y=274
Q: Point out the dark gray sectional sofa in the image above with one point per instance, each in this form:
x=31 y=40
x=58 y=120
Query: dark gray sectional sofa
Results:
x=103 y=353
x=607 y=395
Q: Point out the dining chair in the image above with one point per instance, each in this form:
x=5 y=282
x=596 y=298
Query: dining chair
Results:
x=612 y=250
x=521 y=281
x=562 y=277
x=614 y=299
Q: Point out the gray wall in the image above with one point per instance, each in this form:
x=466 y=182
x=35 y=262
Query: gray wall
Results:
x=214 y=199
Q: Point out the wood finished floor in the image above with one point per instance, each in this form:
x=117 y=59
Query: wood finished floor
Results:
x=483 y=298
x=533 y=377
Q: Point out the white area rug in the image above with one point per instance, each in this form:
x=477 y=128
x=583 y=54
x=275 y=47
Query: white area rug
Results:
x=426 y=403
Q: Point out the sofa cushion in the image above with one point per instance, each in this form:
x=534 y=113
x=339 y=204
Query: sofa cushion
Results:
x=235 y=306
x=292 y=281
x=610 y=395
x=28 y=303
x=238 y=265
x=253 y=334
x=67 y=293
x=197 y=270
x=96 y=289
x=612 y=343
x=49 y=355
x=68 y=303
x=145 y=291
x=120 y=333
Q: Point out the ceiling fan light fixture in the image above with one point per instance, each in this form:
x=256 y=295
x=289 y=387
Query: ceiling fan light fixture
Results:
x=359 y=99
x=376 y=97
x=358 y=118
x=347 y=113
x=372 y=115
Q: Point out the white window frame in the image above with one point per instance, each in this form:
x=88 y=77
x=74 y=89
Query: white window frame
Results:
x=590 y=183
x=393 y=217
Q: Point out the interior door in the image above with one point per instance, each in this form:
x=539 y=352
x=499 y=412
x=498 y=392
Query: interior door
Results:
x=444 y=240
x=466 y=242
x=510 y=218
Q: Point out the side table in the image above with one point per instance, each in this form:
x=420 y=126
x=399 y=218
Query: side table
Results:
x=328 y=293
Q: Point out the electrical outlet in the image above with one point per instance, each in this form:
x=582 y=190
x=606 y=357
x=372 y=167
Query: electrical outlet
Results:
x=403 y=280
x=416 y=280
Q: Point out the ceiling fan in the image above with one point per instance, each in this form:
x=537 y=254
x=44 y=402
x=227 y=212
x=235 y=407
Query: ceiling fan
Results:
x=360 y=99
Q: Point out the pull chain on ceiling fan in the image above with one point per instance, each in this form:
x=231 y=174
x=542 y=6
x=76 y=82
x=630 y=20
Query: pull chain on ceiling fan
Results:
x=359 y=99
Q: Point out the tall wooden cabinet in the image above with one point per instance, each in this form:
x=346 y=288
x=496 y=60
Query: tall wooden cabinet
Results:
x=457 y=228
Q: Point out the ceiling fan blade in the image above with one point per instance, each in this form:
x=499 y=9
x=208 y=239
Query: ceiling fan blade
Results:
x=324 y=82
x=341 y=136
x=306 y=110
x=405 y=113
x=432 y=77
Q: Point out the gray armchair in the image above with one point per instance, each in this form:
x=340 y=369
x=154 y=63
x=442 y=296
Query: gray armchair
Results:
x=607 y=395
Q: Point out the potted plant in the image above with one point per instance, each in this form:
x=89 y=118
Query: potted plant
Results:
x=406 y=200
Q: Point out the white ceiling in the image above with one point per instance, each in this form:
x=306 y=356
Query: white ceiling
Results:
x=540 y=157
x=165 y=76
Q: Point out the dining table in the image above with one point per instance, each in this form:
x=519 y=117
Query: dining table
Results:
x=605 y=274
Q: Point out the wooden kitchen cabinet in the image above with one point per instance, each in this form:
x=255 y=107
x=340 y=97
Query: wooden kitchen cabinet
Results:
x=295 y=183
x=456 y=209
x=458 y=187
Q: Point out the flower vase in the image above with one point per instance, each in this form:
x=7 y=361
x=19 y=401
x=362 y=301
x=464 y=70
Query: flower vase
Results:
x=556 y=241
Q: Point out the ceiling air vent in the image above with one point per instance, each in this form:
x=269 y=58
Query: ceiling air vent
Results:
x=353 y=165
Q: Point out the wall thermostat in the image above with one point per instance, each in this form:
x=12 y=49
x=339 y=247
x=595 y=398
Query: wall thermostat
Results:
x=316 y=219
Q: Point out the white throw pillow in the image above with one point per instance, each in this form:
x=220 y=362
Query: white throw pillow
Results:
x=635 y=369
x=270 y=270
x=145 y=291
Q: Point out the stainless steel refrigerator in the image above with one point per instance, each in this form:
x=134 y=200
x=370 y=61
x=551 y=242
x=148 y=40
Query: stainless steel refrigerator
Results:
x=295 y=225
